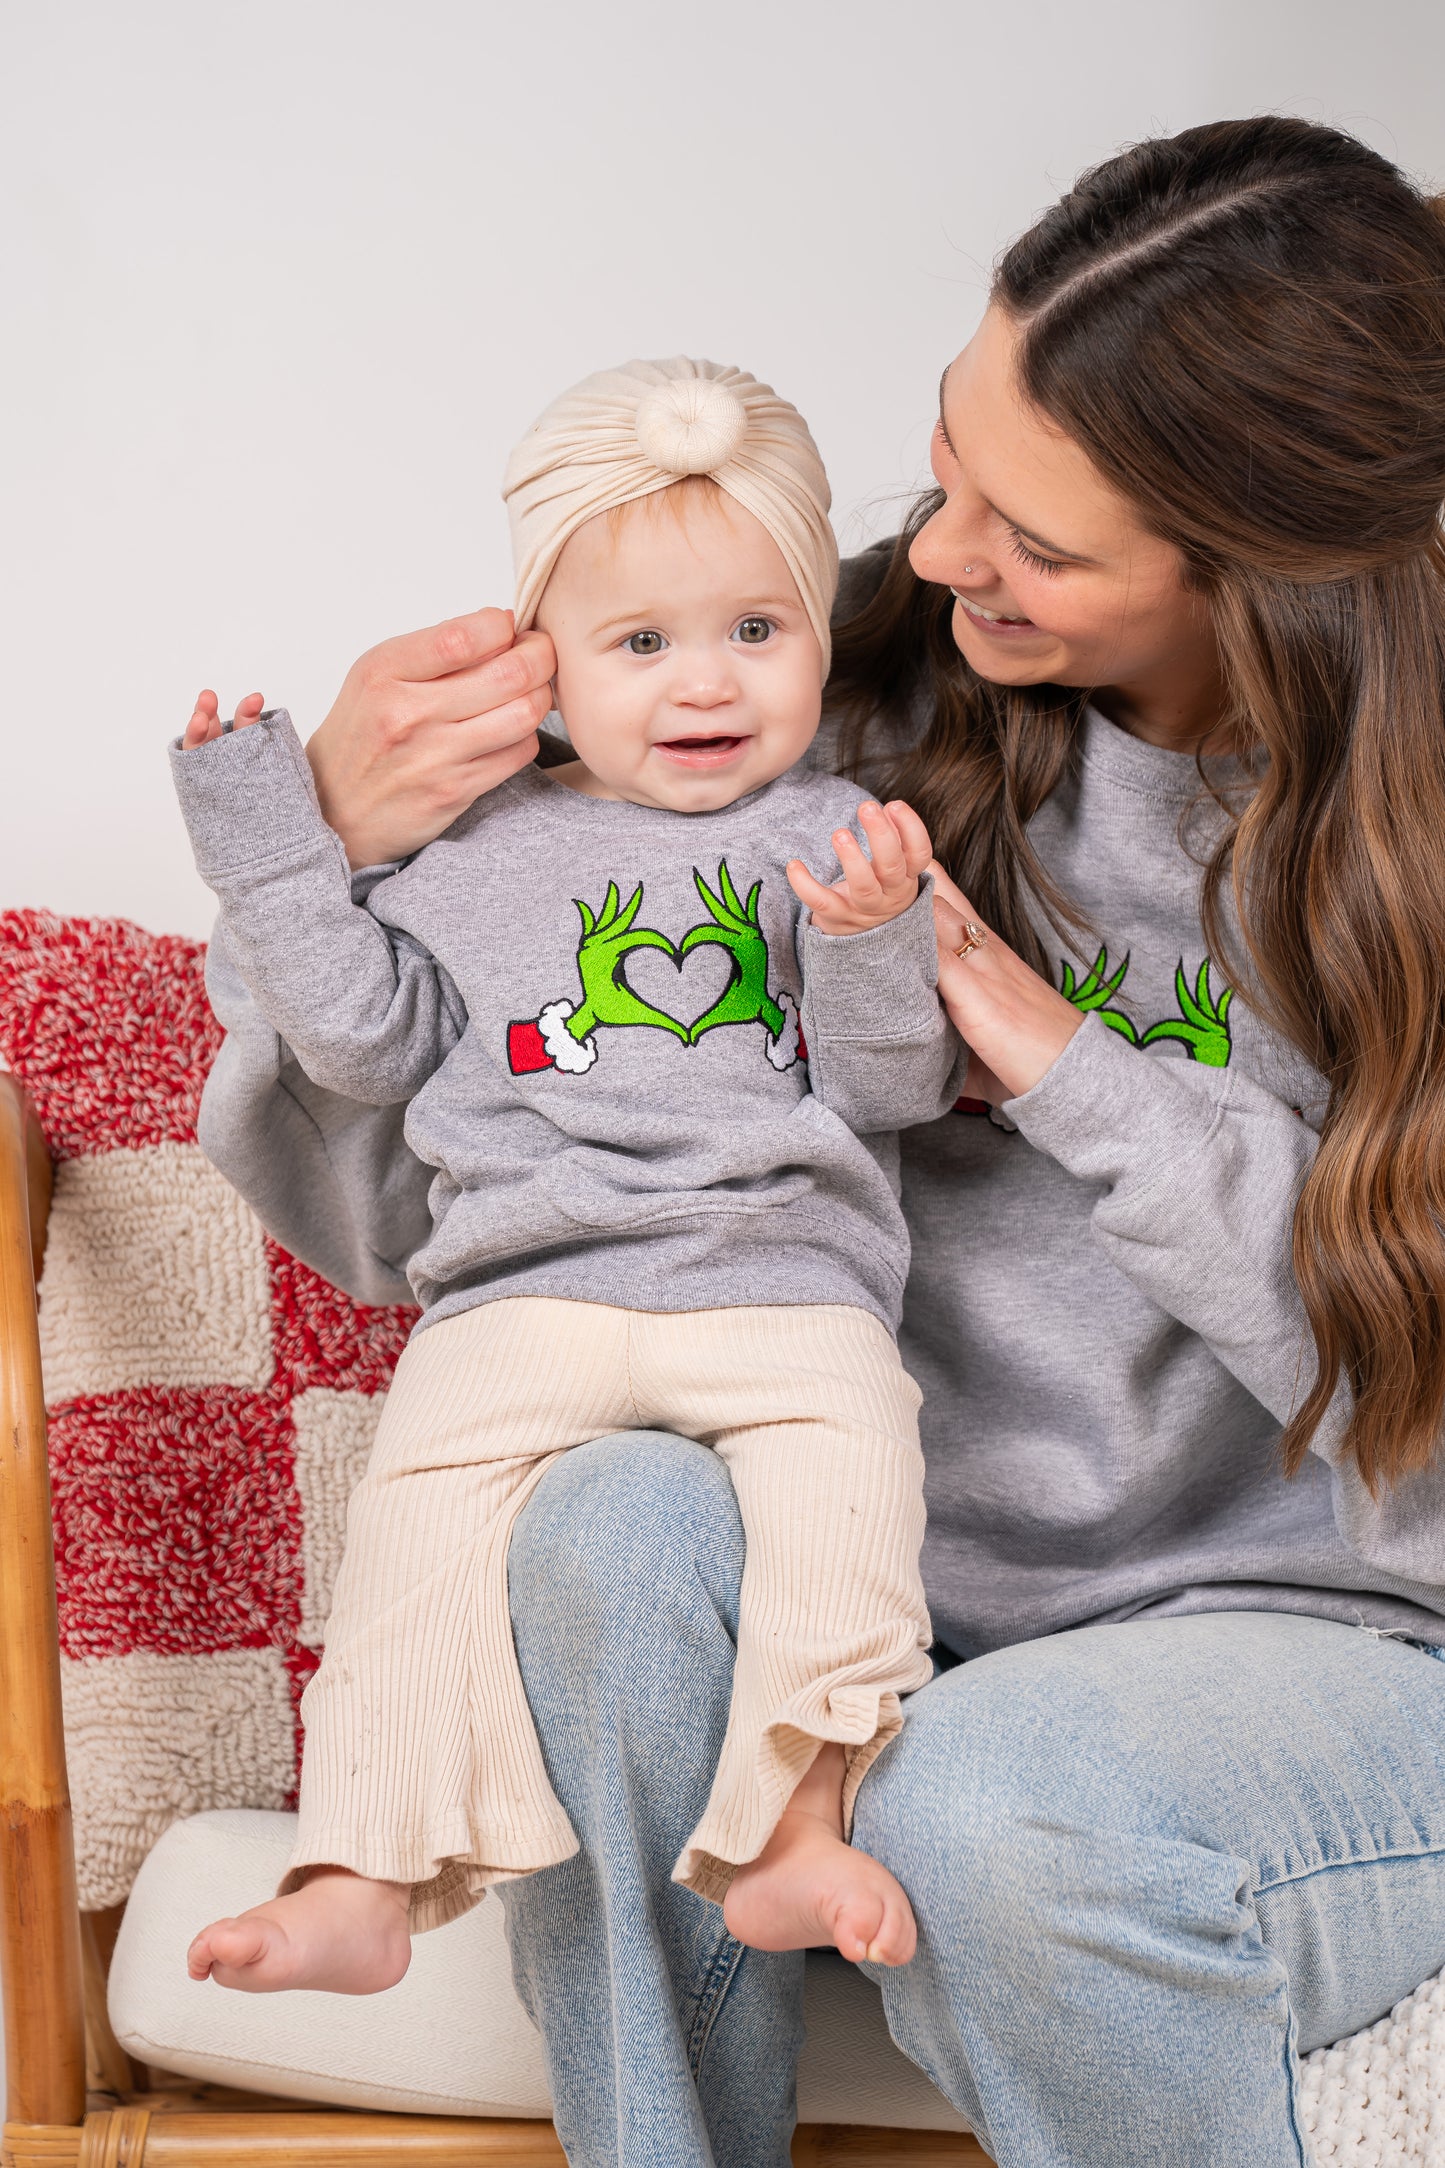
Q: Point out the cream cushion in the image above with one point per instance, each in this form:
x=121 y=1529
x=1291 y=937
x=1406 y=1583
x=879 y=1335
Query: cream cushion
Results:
x=452 y=2039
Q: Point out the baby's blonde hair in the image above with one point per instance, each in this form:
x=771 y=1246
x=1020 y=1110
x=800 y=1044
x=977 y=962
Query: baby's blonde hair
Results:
x=688 y=493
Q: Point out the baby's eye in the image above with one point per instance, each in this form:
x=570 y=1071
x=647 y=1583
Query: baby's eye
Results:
x=754 y=630
x=646 y=643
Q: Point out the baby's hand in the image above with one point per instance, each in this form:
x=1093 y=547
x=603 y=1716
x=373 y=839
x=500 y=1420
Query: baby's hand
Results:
x=205 y=724
x=875 y=889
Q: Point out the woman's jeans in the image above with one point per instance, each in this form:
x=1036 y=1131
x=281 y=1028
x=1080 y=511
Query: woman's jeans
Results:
x=1151 y=1863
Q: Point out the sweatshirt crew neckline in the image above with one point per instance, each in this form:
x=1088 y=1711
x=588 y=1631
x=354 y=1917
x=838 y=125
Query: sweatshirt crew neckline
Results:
x=1151 y=771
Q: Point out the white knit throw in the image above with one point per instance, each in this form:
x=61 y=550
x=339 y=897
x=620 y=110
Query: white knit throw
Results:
x=1377 y=2100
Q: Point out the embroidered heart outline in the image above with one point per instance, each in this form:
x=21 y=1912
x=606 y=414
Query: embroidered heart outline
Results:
x=697 y=990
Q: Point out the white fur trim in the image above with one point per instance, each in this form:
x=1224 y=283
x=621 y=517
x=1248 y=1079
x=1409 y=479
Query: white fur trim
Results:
x=783 y=1051
x=570 y=1057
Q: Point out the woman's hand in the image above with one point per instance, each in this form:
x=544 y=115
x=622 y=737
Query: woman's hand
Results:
x=425 y=724
x=1014 y=1023
x=875 y=888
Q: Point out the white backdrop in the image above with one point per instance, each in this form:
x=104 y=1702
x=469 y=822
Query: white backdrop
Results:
x=284 y=280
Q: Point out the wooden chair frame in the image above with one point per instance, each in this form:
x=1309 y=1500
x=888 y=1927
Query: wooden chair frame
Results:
x=75 y=2100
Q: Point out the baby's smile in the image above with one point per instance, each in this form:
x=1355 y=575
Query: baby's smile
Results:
x=712 y=752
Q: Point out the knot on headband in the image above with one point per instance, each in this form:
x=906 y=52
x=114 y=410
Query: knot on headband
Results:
x=692 y=426
x=627 y=433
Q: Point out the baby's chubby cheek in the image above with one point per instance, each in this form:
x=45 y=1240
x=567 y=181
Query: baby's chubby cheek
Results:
x=612 y=737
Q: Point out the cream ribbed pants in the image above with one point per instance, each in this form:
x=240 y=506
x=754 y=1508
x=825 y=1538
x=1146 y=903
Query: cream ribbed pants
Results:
x=422 y=1764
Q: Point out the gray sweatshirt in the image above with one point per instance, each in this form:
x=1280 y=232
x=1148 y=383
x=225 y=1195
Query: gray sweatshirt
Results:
x=638 y=1076
x=1102 y=1313
x=1100 y=1310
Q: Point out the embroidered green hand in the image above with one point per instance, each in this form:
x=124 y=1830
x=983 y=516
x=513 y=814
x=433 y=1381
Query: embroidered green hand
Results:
x=734 y=926
x=1202 y=1024
x=1095 y=994
x=607 y=941
x=1201 y=1027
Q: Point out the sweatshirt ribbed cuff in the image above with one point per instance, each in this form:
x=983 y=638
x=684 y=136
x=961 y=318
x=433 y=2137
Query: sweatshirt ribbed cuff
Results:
x=248 y=799
x=880 y=984
x=1107 y=1111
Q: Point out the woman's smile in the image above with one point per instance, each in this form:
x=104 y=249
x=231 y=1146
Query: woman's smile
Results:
x=994 y=621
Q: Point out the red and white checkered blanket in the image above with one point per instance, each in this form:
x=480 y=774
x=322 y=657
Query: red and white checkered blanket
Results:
x=211 y=1402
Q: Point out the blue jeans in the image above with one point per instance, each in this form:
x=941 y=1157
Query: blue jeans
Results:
x=1151 y=1863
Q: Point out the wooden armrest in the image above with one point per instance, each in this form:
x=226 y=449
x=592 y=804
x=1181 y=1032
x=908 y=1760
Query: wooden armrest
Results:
x=39 y=1922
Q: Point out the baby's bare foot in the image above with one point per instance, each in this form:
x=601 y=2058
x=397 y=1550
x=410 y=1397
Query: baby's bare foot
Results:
x=807 y=1887
x=338 y=1932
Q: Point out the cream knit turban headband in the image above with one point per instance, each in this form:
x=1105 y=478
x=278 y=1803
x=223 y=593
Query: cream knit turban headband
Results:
x=628 y=432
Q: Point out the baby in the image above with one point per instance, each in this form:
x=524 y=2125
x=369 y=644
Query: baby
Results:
x=658 y=1065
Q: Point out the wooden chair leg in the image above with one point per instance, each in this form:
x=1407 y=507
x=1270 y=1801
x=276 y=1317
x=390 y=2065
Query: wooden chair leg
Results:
x=39 y=1924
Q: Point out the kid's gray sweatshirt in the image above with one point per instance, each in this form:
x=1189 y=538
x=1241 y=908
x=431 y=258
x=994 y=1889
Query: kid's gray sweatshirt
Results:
x=1101 y=1308
x=637 y=1078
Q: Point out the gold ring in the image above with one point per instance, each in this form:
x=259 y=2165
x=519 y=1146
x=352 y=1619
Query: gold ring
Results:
x=977 y=935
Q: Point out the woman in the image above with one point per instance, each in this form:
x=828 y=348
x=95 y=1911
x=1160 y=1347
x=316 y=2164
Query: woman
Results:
x=1173 y=1810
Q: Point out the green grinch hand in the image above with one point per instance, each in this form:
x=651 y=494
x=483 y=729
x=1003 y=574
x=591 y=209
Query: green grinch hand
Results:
x=607 y=941
x=1202 y=1024
x=745 y=999
x=1096 y=993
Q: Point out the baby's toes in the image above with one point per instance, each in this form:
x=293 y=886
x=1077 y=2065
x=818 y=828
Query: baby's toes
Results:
x=200 y=1955
x=858 y=1924
x=896 y=1937
x=235 y=1944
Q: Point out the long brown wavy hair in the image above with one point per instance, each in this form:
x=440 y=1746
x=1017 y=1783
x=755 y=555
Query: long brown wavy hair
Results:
x=1244 y=328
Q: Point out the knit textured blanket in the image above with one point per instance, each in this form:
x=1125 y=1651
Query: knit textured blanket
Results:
x=211 y=1402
